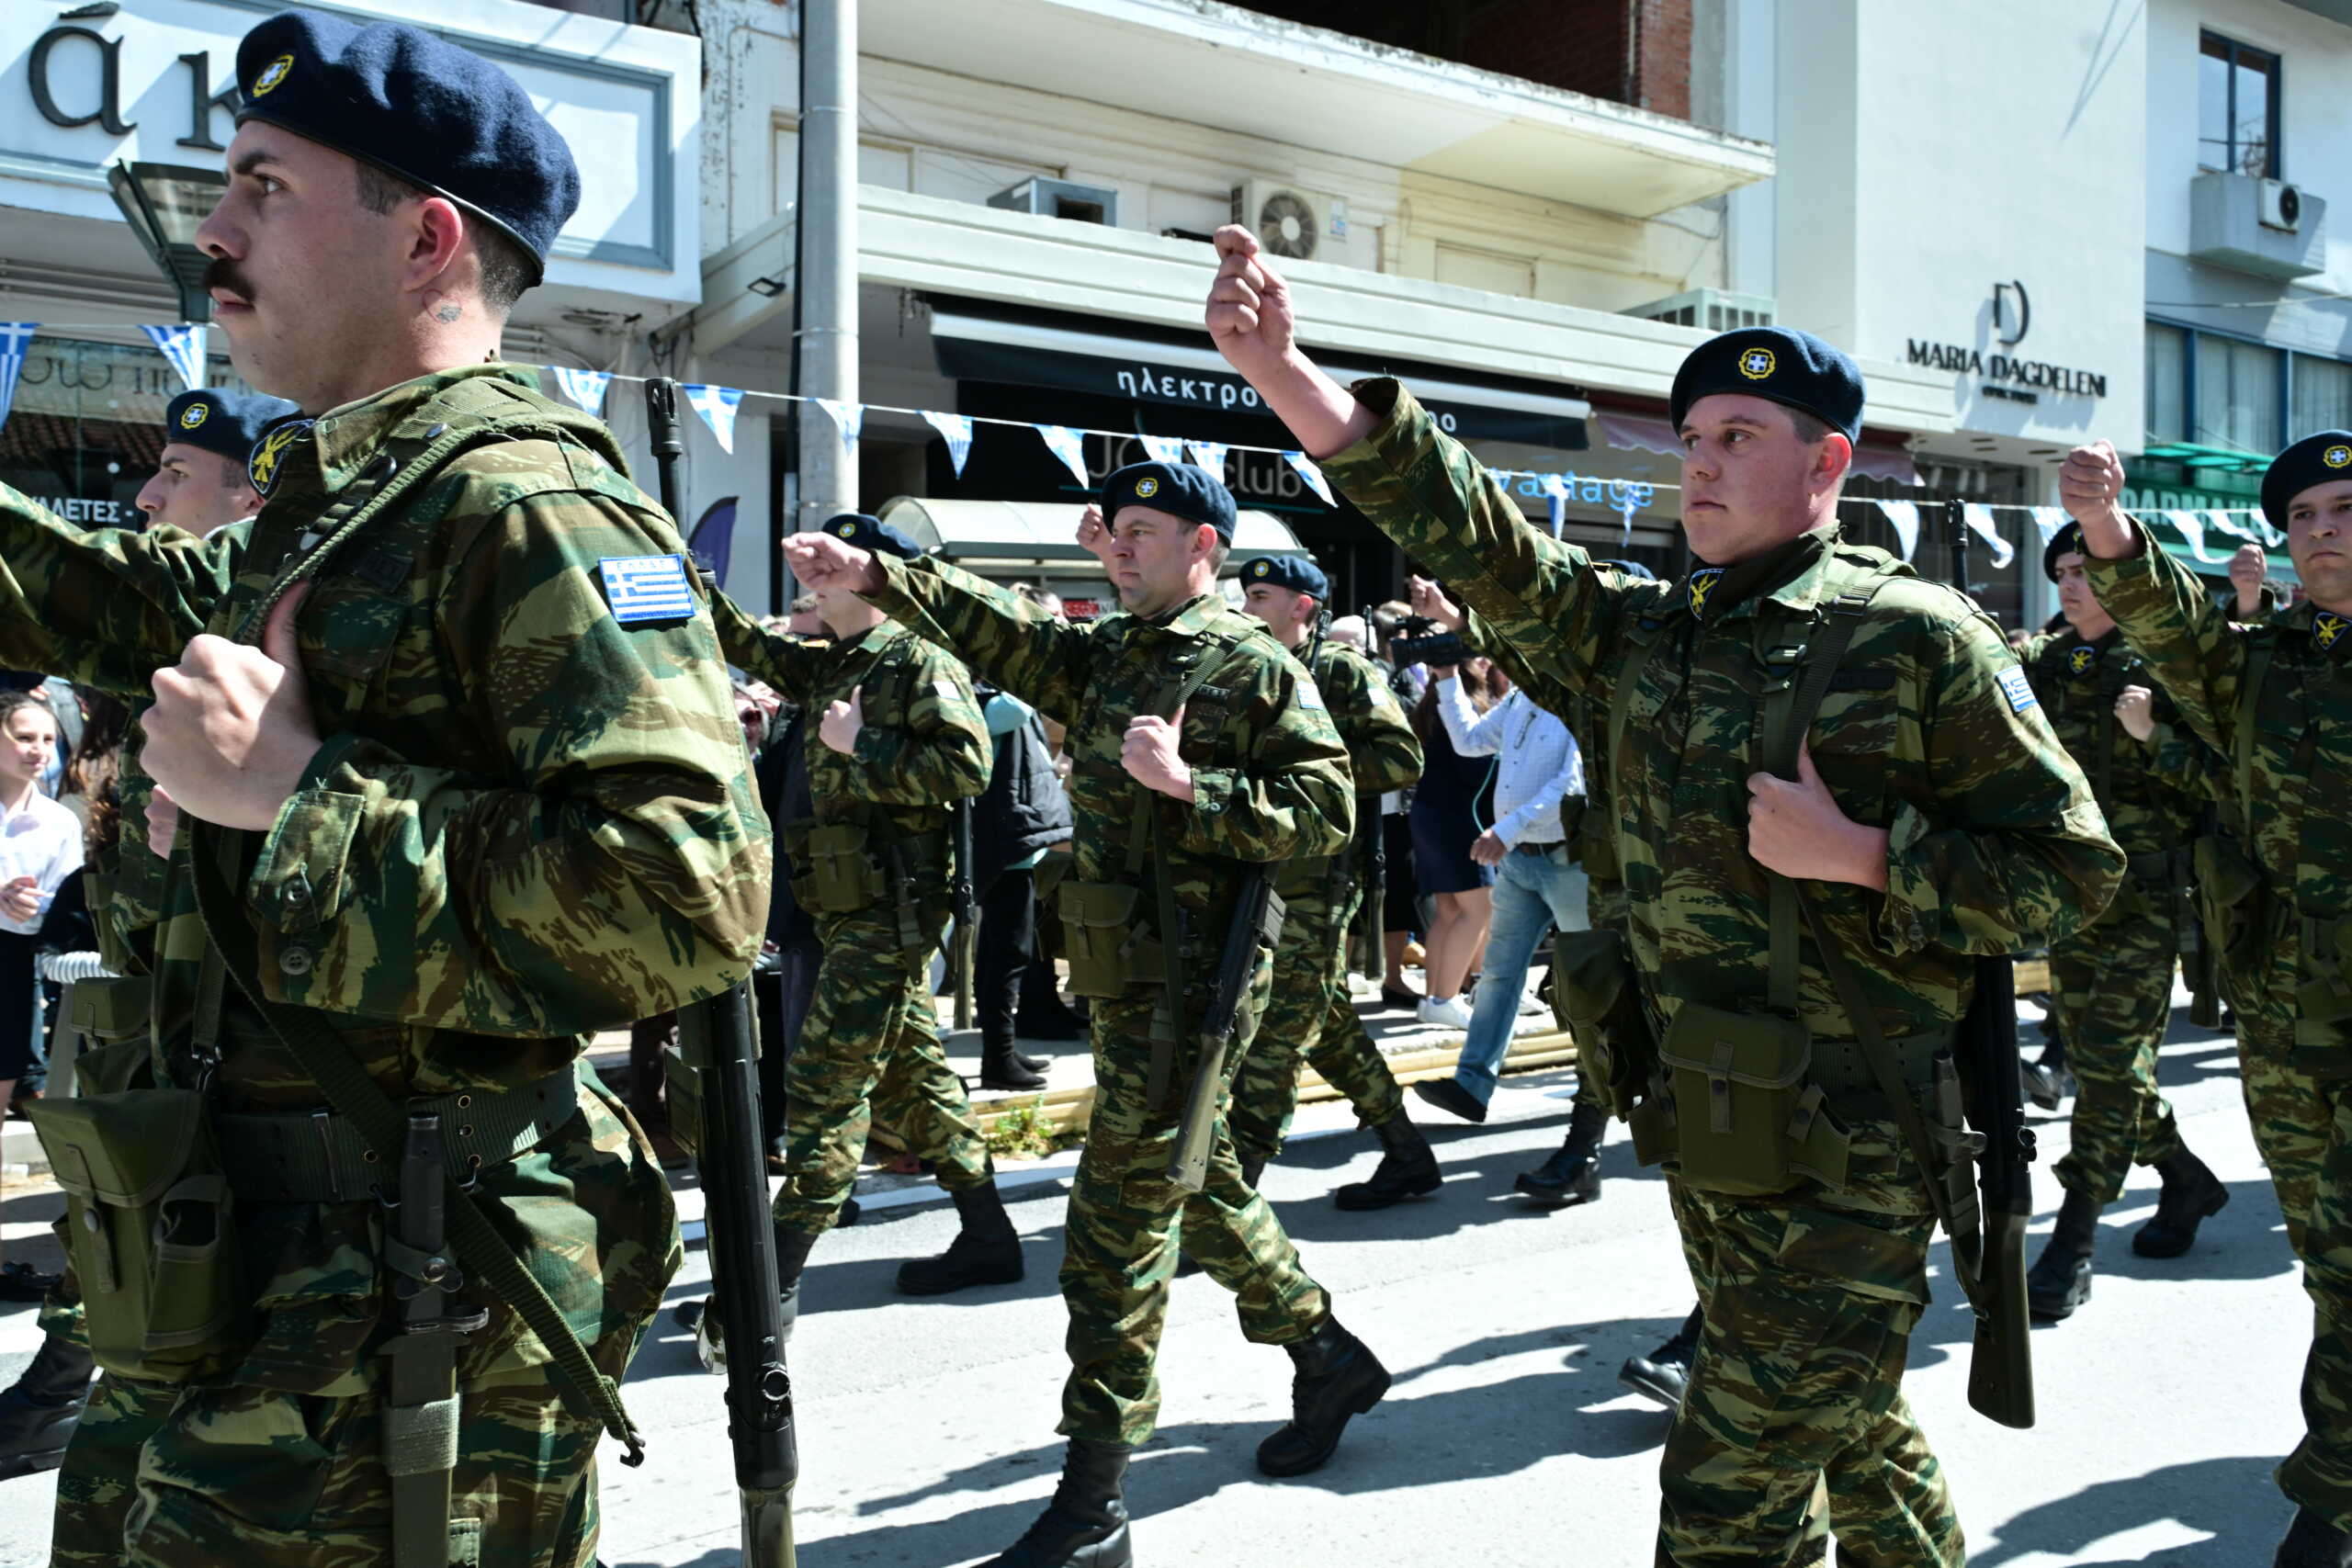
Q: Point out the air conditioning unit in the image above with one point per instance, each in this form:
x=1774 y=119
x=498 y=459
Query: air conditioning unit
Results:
x=2281 y=207
x=1303 y=225
x=1061 y=199
x=1713 y=310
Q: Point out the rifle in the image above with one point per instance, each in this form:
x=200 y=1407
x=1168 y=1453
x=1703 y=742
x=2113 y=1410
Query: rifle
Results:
x=968 y=914
x=1257 y=917
x=2000 y=1371
x=718 y=1048
x=1375 y=864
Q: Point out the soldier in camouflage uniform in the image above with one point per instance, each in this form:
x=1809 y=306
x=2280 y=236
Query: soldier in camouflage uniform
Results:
x=1934 y=816
x=1311 y=1014
x=2113 y=979
x=893 y=738
x=1199 y=749
x=2273 y=702
x=476 y=784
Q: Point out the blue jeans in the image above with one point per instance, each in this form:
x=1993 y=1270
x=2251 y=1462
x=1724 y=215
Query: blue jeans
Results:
x=1533 y=892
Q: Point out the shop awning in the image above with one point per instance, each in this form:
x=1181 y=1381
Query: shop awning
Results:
x=1075 y=355
x=1042 y=533
x=1653 y=433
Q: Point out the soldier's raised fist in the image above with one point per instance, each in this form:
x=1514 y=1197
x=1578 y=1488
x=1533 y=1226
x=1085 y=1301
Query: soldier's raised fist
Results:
x=1249 y=310
x=2090 y=482
x=821 y=560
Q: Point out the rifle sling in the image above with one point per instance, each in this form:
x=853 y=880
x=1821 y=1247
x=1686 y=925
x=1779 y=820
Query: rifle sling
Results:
x=356 y=1096
x=1145 y=836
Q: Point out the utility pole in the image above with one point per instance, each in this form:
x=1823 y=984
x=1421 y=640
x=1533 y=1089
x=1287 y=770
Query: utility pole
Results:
x=828 y=280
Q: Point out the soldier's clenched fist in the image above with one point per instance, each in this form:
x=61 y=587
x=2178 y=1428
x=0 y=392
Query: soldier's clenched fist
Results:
x=841 y=722
x=1798 y=830
x=231 y=732
x=1148 y=753
x=819 y=560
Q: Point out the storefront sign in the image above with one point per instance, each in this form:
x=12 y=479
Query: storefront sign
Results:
x=2008 y=373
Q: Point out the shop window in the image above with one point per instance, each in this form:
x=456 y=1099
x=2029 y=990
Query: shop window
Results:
x=2237 y=108
x=2323 y=396
x=2167 y=384
x=86 y=426
x=2238 y=394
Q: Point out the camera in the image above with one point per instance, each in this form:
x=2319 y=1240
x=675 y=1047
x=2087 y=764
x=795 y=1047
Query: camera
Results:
x=1444 y=647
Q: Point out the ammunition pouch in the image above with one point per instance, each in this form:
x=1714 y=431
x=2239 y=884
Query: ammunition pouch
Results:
x=1107 y=948
x=149 y=1226
x=1596 y=844
x=110 y=1008
x=1312 y=876
x=831 y=862
x=1747 y=1122
x=2236 y=910
x=1595 y=999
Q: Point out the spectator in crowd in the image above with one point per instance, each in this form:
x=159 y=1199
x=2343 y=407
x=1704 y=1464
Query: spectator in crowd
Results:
x=1021 y=815
x=1401 y=909
x=41 y=846
x=1450 y=809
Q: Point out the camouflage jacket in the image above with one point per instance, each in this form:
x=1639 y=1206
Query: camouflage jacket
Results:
x=1268 y=770
x=529 y=820
x=2296 y=770
x=2137 y=784
x=1383 y=751
x=1929 y=732
x=924 y=745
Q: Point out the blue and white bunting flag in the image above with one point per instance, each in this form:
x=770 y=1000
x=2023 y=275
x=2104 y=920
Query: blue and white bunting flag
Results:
x=1980 y=523
x=1071 y=447
x=2050 y=520
x=1307 y=470
x=1555 y=492
x=1905 y=515
x=2192 y=529
x=716 y=405
x=849 y=419
x=184 y=346
x=1163 y=449
x=585 y=388
x=15 y=342
x=955 y=429
x=1209 y=455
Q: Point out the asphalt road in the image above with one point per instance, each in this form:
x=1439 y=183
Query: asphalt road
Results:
x=926 y=1427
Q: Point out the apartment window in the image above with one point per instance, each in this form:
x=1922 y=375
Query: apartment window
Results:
x=2238 y=394
x=2322 y=399
x=2167 y=384
x=2237 y=108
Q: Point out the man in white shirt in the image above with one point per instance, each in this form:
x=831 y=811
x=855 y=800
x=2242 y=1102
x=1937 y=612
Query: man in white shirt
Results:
x=1537 y=881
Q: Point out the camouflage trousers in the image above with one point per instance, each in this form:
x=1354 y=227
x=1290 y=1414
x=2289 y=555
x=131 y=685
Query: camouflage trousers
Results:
x=158 y=1474
x=1809 y=1299
x=871 y=1043
x=2114 y=1000
x=1119 y=1250
x=1310 y=1015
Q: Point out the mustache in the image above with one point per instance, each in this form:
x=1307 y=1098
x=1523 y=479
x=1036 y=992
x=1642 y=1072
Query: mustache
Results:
x=222 y=273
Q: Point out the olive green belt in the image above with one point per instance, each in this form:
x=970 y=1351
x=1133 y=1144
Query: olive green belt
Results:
x=317 y=1157
x=1844 y=1074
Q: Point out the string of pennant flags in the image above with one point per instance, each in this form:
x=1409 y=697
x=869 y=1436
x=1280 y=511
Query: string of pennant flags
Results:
x=182 y=345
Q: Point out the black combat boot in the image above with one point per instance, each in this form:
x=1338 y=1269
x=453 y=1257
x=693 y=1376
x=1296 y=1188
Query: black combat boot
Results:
x=1573 y=1175
x=2192 y=1194
x=2312 y=1542
x=1003 y=1068
x=2047 y=1081
x=2060 y=1280
x=1086 y=1523
x=987 y=1251
x=1337 y=1377
x=1665 y=1373
x=1407 y=1169
x=42 y=1409
x=1252 y=1167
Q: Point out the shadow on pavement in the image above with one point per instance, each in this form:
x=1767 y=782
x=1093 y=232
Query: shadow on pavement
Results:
x=2232 y=1500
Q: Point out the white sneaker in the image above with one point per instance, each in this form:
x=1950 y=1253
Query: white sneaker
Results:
x=1449 y=1013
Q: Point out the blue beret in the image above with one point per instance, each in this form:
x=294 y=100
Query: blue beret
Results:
x=2313 y=460
x=1779 y=362
x=1296 y=573
x=223 y=421
x=418 y=106
x=856 y=528
x=1178 y=489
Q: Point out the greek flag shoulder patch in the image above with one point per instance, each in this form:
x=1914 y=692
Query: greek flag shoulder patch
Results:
x=2017 y=689
x=647 y=588
x=1308 y=696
